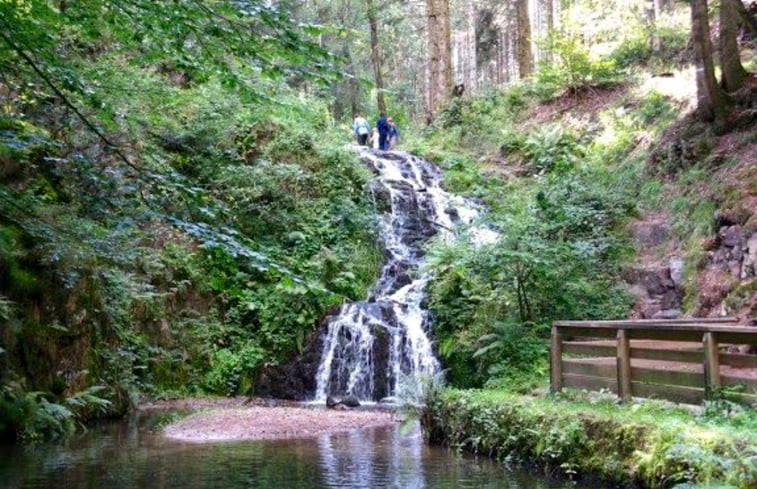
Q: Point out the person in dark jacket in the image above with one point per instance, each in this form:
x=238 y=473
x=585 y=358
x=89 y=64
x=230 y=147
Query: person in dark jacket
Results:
x=394 y=134
x=383 y=130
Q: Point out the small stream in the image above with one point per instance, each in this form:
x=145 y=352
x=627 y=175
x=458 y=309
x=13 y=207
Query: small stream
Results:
x=133 y=454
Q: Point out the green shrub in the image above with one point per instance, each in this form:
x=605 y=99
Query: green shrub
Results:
x=579 y=434
x=549 y=148
x=232 y=372
x=572 y=67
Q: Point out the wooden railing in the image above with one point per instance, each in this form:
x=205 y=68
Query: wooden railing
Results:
x=679 y=360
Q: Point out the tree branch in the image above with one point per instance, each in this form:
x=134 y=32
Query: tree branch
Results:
x=28 y=59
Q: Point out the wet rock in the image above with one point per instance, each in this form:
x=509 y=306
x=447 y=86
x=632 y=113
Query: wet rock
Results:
x=350 y=401
x=331 y=402
x=295 y=379
x=382 y=196
x=381 y=348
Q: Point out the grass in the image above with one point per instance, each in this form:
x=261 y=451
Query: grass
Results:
x=651 y=443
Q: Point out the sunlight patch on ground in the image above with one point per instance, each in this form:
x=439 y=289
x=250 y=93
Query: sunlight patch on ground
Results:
x=680 y=87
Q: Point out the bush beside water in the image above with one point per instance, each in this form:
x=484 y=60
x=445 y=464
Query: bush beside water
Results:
x=579 y=435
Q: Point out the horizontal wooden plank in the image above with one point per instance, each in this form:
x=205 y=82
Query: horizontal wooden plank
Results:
x=667 y=355
x=738 y=360
x=590 y=369
x=738 y=338
x=590 y=383
x=667 y=377
x=588 y=333
x=589 y=350
x=667 y=335
x=648 y=322
x=566 y=327
x=750 y=384
x=686 y=395
x=744 y=399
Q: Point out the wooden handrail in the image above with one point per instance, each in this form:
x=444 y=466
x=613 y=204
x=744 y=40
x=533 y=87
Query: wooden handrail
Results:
x=683 y=385
x=612 y=322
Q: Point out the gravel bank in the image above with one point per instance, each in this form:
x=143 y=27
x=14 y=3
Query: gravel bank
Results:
x=268 y=423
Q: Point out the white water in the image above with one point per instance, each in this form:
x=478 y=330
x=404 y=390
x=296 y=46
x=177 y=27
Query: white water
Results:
x=374 y=348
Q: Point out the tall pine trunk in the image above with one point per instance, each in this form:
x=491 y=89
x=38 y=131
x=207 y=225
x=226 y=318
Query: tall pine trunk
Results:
x=711 y=100
x=376 y=56
x=440 y=56
x=734 y=74
x=523 y=53
x=652 y=12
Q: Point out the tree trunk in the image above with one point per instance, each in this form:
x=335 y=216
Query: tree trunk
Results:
x=747 y=20
x=652 y=9
x=663 y=6
x=734 y=74
x=471 y=78
x=440 y=54
x=524 y=40
x=711 y=101
x=376 y=57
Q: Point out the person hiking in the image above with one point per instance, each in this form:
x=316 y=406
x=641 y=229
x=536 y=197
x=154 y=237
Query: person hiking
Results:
x=394 y=134
x=361 y=128
x=383 y=130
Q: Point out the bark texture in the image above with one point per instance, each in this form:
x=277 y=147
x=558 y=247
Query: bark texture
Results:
x=525 y=57
x=376 y=56
x=711 y=101
x=734 y=74
x=440 y=55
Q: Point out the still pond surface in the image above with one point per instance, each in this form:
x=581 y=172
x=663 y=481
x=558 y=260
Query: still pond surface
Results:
x=133 y=454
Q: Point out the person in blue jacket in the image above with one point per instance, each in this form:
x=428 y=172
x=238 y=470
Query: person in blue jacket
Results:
x=383 y=130
x=394 y=134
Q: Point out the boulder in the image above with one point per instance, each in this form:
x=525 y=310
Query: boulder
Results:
x=749 y=264
x=350 y=401
x=731 y=236
x=667 y=314
x=676 y=271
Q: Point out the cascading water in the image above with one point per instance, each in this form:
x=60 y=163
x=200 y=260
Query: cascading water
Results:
x=371 y=347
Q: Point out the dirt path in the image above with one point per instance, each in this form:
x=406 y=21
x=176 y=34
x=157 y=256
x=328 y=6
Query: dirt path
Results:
x=228 y=421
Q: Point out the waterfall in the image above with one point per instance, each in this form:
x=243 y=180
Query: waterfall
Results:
x=372 y=347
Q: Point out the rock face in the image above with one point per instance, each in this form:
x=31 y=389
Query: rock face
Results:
x=294 y=379
x=657 y=293
x=726 y=279
x=657 y=284
x=730 y=268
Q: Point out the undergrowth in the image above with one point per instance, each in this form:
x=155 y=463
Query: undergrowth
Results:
x=579 y=434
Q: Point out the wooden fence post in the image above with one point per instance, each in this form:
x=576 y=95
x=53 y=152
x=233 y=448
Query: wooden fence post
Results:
x=624 y=366
x=711 y=364
x=555 y=363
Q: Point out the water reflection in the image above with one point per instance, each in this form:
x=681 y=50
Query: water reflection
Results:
x=132 y=454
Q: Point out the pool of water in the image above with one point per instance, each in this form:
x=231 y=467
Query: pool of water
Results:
x=133 y=454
